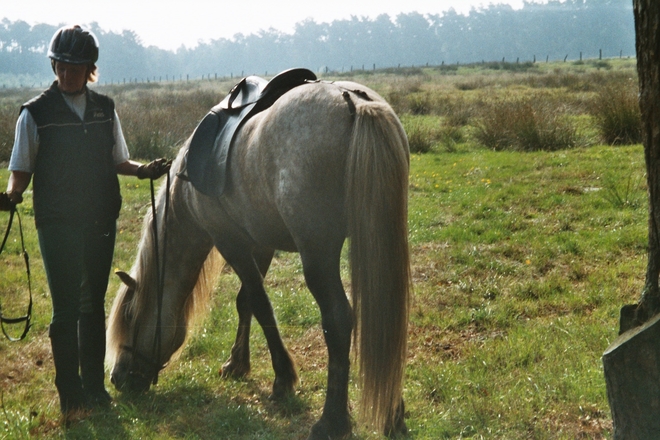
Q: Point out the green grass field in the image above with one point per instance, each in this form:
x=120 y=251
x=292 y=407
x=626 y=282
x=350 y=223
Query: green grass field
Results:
x=521 y=262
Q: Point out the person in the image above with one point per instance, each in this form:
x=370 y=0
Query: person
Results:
x=69 y=143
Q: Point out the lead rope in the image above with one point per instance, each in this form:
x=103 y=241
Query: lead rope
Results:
x=160 y=266
x=28 y=316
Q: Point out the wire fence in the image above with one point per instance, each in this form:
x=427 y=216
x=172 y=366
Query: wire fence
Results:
x=372 y=67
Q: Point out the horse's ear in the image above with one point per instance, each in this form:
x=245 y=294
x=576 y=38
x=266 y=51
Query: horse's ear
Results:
x=127 y=279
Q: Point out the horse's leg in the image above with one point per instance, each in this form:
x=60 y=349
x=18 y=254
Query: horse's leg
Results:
x=238 y=364
x=322 y=275
x=249 y=271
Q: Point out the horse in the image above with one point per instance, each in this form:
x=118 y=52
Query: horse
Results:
x=325 y=163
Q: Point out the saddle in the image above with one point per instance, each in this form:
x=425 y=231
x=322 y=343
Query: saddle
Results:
x=206 y=161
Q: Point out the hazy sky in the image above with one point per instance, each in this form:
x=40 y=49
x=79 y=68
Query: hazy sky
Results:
x=172 y=23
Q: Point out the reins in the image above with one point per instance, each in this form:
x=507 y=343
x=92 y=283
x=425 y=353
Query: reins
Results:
x=28 y=316
x=160 y=279
x=160 y=265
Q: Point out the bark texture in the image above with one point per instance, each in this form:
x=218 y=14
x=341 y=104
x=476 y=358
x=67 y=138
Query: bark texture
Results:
x=632 y=363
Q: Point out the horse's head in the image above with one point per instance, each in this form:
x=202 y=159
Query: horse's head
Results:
x=139 y=344
x=154 y=308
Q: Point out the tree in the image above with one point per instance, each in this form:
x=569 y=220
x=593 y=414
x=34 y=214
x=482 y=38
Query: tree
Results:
x=632 y=363
x=647 y=28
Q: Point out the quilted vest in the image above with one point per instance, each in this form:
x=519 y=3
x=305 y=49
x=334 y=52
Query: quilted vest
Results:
x=75 y=180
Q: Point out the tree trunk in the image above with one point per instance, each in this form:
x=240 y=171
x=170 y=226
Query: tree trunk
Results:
x=647 y=30
x=632 y=363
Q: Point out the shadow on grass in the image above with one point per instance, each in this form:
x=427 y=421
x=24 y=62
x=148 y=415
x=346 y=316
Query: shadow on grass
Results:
x=197 y=412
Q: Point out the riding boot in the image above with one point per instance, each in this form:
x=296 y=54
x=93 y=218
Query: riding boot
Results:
x=91 y=331
x=64 y=342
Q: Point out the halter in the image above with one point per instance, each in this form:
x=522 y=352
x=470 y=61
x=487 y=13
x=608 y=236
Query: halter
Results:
x=28 y=316
x=155 y=366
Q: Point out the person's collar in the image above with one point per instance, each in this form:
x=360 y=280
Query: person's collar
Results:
x=72 y=94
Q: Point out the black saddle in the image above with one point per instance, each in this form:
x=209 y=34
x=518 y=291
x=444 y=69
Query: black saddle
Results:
x=206 y=160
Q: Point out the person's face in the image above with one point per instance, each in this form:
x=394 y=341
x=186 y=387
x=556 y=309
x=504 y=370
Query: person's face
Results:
x=71 y=78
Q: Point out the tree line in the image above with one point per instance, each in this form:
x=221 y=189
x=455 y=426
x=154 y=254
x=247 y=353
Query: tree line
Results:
x=557 y=29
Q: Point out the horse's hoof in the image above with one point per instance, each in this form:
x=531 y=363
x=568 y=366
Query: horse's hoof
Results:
x=234 y=369
x=400 y=430
x=397 y=426
x=323 y=430
x=282 y=389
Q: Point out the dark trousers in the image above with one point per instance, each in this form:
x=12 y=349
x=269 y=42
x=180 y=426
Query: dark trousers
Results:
x=77 y=260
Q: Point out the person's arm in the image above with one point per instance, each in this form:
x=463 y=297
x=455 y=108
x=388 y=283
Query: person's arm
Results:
x=128 y=168
x=23 y=157
x=18 y=183
x=151 y=170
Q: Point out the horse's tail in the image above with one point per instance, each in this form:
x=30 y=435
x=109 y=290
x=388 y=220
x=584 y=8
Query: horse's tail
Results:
x=377 y=214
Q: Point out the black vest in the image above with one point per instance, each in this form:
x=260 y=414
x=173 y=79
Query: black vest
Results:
x=75 y=180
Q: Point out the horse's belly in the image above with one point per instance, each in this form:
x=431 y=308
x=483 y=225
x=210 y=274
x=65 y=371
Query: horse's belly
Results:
x=274 y=237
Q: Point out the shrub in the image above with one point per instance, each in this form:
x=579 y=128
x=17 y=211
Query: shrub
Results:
x=422 y=133
x=617 y=115
x=157 y=122
x=459 y=112
x=8 y=116
x=450 y=136
x=10 y=103
x=407 y=96
x=524 y=125
x=420 y=104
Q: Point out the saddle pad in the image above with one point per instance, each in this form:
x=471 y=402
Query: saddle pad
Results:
x=206 y=163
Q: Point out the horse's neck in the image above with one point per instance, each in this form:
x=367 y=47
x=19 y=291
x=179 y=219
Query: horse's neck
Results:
x=183 y=247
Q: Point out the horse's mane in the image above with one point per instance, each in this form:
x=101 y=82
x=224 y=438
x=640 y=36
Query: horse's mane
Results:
x=130 y=305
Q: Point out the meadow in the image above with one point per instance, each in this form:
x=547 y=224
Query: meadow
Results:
x=527 y=222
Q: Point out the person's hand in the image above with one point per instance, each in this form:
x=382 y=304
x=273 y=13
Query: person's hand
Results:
x=8 y=201
x=5 y=203
x=154 y=169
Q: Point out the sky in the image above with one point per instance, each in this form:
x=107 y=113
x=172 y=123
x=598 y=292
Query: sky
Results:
x=170 y=24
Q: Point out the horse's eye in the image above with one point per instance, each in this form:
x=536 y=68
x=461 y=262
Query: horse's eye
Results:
x=128 y=316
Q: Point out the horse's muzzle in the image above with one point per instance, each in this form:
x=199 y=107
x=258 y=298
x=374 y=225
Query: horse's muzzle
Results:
x=129 y=381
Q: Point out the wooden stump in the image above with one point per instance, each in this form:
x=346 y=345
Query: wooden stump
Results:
x=632 y=374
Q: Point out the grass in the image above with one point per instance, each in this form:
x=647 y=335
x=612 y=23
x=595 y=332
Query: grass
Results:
x=521 y=262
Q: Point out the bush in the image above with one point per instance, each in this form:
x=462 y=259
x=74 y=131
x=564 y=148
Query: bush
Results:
x=524 y=125
x=8 y=116
x=10 y=103
x=422 y=133
x=420 y=103
x=157 y=122
x=403 y=94
x=617 y=115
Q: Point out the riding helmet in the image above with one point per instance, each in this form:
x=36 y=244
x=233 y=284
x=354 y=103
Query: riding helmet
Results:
x=74 y=45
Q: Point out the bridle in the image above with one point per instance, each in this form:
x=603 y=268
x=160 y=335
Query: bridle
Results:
x=154 y=367
x=27 y=318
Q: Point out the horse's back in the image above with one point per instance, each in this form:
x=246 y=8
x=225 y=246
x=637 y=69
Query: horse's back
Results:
x=288 y=168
